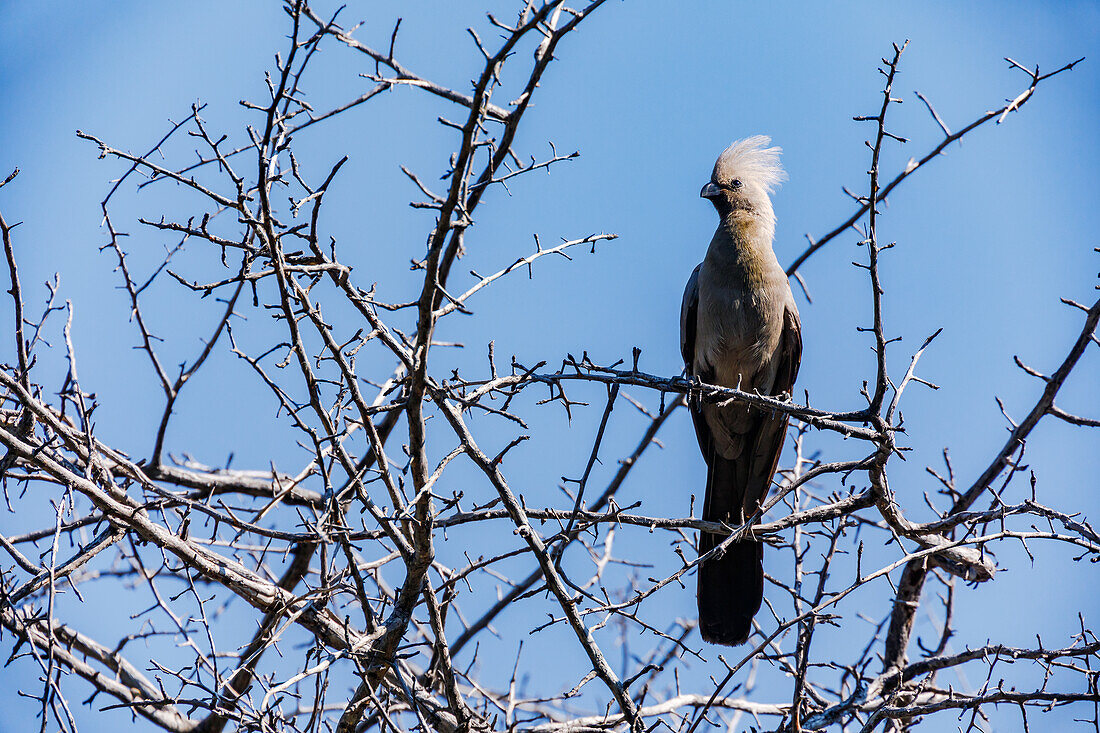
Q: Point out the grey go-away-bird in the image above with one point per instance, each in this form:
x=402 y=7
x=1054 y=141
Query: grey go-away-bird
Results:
x=739 y=327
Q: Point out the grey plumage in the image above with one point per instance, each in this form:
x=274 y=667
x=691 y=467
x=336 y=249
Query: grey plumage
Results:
x=739 y=327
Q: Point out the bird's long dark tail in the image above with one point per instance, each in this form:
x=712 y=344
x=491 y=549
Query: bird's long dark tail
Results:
x=731 y=587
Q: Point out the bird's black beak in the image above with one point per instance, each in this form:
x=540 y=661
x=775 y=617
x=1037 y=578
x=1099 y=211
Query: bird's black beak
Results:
x=710 y=191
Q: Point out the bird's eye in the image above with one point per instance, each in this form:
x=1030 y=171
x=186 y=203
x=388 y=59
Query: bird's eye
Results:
x=735 y=184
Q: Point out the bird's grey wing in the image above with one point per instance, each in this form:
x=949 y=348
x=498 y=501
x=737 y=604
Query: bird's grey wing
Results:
x=689 y=316
x=790 y=354
x=689 y=320
x=772 y=428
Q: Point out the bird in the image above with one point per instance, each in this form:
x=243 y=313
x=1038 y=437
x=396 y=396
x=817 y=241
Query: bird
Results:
x=739 y=327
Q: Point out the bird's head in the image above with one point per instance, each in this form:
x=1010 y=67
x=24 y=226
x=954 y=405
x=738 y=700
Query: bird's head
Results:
x=744 y=176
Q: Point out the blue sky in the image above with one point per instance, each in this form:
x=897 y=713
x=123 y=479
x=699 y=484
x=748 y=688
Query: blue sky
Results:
x=988 y=238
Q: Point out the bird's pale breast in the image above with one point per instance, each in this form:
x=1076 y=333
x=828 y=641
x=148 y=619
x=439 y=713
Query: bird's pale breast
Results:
x=740 y=327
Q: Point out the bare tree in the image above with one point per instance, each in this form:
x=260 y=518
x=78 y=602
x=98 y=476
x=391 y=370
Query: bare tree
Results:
x=371 y=578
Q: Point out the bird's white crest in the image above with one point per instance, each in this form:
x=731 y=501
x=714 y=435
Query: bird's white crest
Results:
x=751 y=161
